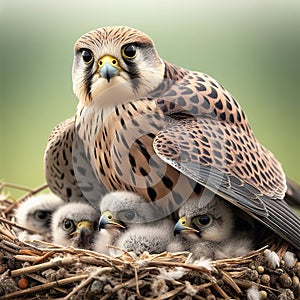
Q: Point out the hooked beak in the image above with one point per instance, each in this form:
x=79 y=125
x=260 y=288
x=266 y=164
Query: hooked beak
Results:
x=108 y=67
x=183 y=226
x=83 y=227
x=84 y=231
x=107 y=221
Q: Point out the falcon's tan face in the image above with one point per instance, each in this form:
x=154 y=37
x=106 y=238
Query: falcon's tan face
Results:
x=115 y=64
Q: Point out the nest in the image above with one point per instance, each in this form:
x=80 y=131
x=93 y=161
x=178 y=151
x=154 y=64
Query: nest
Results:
x=47 y=271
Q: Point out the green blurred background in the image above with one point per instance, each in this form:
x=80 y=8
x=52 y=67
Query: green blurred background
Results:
x=251 y=47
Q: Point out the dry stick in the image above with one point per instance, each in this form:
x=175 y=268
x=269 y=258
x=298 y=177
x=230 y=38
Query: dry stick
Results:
x=87 y=281
x=227 y=278
x=239 y=260
x=27 y=258
x=8 y=249
x=220 y=291
x=197 y=297
x=204 y=286
x=43 y=280
x=12 y=245
x=248 y=284
x=128 y=283
x=44 y=257
x=17 y=225
x=30 y=193
x=45 y=286
x=136 y=281
x=44 y=266
x=34 y=191
x=176 y=264
x=5 y=231
x=167 y=294
x=15 y=186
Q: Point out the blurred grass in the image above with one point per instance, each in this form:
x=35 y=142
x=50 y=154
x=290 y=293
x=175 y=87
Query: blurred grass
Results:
x=251 y=47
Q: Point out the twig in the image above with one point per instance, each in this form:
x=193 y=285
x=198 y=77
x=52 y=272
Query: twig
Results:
x=5 y=231
x=128 y=283
x=136 y=281
x=8 y=249
x=15 y=186
x=43 y=266
x=17 y=225
x=87 y=281
x=247 y=284
x=30 y=193
x=43 y=280
x=220 y=291
x=227 y=278
x=204 y=286
x=167 y=294
x=12 y=245
x=45 y=286
x=27 y=258
x=177 y=264
x=45 y=256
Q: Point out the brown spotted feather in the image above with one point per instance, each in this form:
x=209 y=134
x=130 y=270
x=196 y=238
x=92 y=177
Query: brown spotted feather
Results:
x=182 y=131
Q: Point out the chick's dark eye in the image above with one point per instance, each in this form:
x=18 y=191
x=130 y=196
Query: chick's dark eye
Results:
x=87 y=56
x=204 y=220
x=128 y=215
x=67 y=224
x=129 y=51
x=41 y=215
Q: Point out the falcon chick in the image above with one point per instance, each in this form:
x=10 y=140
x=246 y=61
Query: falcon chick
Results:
x=164 y=132
x=210 y=231
x=35 y=213
x=74 y=225
x=132 y=224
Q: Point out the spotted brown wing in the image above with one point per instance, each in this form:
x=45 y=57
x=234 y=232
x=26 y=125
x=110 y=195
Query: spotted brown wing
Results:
x=67 y=169
x=224 y=159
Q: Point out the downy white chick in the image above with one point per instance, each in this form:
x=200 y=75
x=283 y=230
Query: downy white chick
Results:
x=210 y=231
x=35 y=213
x=129 y=222
x=74 y=224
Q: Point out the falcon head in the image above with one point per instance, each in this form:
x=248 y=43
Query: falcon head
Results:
x=125 y=208
x=115 y=64
x=213 y=222
x=74 y=225
x=35 y=212
x=108 y=221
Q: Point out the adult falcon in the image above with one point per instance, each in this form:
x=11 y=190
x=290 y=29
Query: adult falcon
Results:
x=164 y=132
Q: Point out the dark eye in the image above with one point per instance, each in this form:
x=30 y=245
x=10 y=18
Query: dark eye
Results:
x=204 y=220
x=129 y=51
x=127 y=215
x=87 y=56
x=41 y=215
x=68 y=225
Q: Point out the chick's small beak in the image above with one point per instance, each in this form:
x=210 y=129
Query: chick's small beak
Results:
x=107 y=221
x=83 y=228
x=108 y=67
x=183 y=226
x=85 y=225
